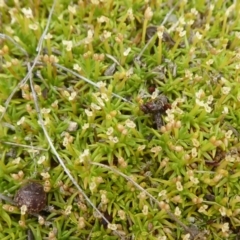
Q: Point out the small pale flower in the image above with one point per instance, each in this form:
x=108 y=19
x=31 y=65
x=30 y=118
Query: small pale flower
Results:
x=67 y=139
x=68 y=45
x=177 y=212
x=89 y=113
x=162 y=238
x=194 y=180
x=104 y=97
x=45 y=110
x=210 y=99
x=182 y=33
x=195 y=142
x=101 y=84
x=179 y=186
x=55 y=104
x=162 y=193
x=89 y=37
x=203 y=208
x=211 y=7
x=27 y=12
x=100 y=101
x=225 y=90
x=45 y=175
x=126 y=52
x=102 y=19
x=170 y=117
x=77 y=67
x=228 y=134
x=142 y=195
x=223 y=211
x=33 y=26
x=190 y=22
x=48 y=36
x=104 y=199
x=160 y=31
x=156 y=149
x=198 y=35
x=199 y=94
x=130 y=124
x=209 y=62
x=218 y=177
x=192 y=50
x=72 y=126
x=182 y=21
x=238 y=97
x=188 y=74
x=95 y=2
x=225 y=227
x=194 y=11
x=53 y=59
x=92 y=186
x=130 y=14
x=237 y=34
x=72 y=9
x=194 y=152
x=200 y=103
x=105 y=35
x=121 y=214
x=85 y=126
x=223 y=80
x=84 y=155
x=186 y=237
x=95 y=106
x=2 y=109
x=109 y=131
x=208 y=109
x=155 y=94
x=66 y=94
x=129 y=72
x=207 y=27
x=81 y=222
x=230 y=158
x=23 y=209
x=113 y=139
x=7 y=64
x=178 y=148
x=41 y=160
x=237 y=66
x=68 y=210
x=16 y=160
x=21 y=121
x=141 y=147
x=113 y=227
x=72 y=96
x=148 y=13
x=2 y=4
x=41 y=220
x=145 y=210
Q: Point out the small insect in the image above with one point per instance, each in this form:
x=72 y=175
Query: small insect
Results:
x=157 y=107
x=33 y=196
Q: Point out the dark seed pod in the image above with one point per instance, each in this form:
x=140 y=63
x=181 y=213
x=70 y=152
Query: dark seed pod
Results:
x=33 y=196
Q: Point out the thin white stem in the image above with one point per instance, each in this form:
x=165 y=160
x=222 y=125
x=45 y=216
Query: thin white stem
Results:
x=88 y=81
x=171 y=215
x=24 y=146
x=4 y=36
x=39 y=49
x=57 y=155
